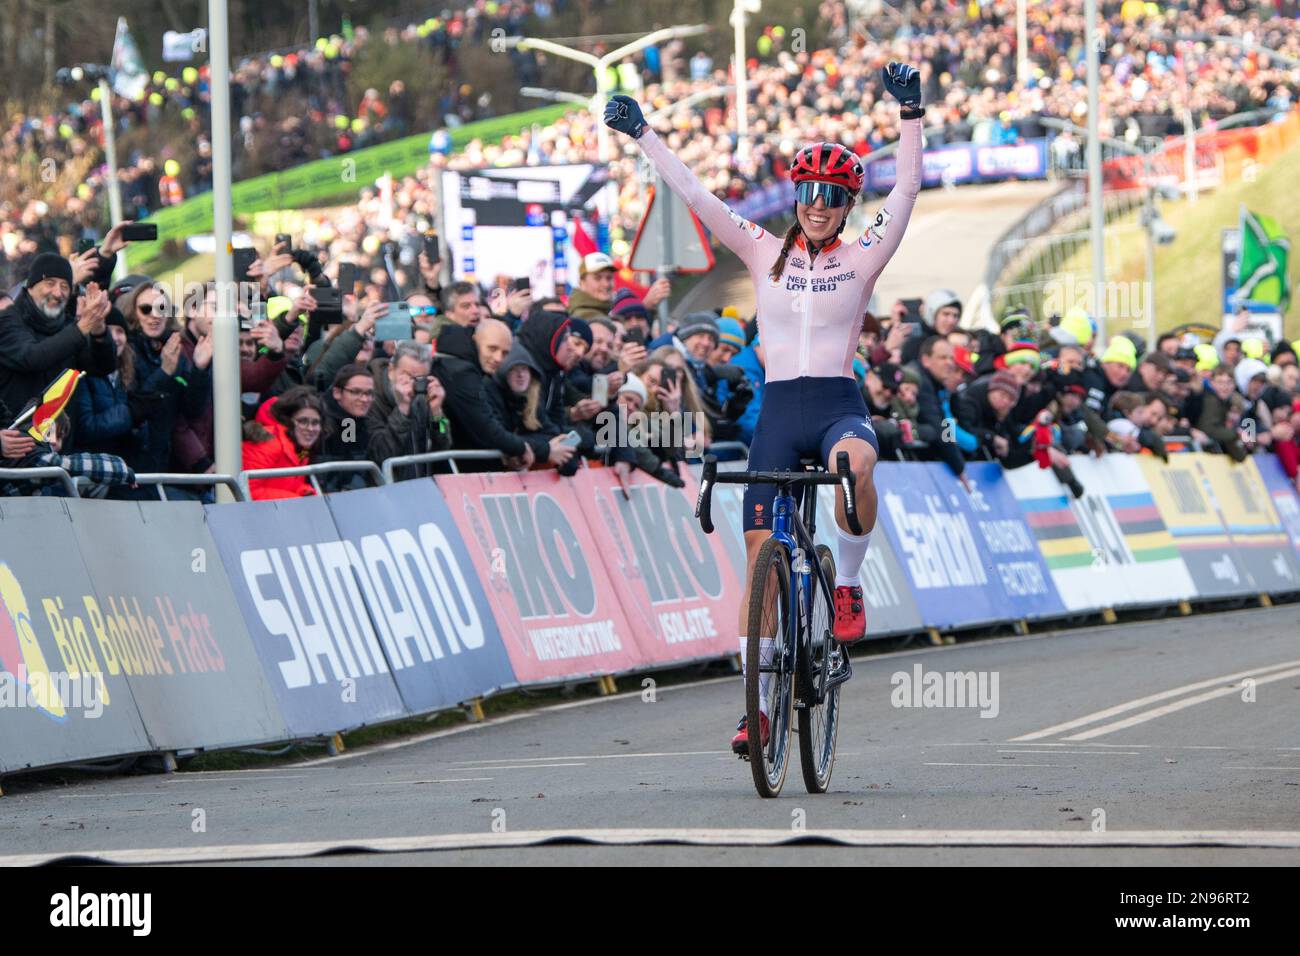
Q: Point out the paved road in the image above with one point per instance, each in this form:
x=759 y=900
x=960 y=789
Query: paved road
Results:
x=1163 y=744
x=948 y=242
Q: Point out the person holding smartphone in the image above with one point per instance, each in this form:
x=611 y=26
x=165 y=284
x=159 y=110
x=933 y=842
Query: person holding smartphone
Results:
x=812 y=291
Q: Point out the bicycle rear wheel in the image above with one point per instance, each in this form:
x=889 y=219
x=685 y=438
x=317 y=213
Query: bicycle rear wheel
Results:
x=769 y=616
x=821 y=655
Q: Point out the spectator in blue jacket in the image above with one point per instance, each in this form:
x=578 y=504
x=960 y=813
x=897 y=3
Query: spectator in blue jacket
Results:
x=753 y=363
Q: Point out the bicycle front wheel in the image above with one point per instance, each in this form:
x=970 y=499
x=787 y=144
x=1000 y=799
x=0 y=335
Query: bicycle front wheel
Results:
x=769 y=617
x=822 y=655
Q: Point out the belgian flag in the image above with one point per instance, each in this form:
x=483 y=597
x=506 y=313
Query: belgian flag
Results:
x=43 y=412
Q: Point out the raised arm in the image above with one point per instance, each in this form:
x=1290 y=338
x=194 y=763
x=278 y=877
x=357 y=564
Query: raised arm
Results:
x=881 y=240
x=742 y=237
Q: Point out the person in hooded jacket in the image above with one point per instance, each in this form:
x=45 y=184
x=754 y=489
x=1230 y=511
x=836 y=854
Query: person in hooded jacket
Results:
x=466 y=360
x=515 y=392
x=110 y=417
x=285 y=434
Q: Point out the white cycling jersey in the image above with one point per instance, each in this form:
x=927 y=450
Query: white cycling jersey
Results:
x=809 y=319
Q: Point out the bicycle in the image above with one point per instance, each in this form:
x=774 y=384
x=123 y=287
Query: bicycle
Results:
x=808 y=665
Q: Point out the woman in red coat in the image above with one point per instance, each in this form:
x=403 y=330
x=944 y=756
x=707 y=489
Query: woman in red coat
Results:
x=285 y=434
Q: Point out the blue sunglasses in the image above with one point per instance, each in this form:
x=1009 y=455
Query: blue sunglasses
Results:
x=808 y=191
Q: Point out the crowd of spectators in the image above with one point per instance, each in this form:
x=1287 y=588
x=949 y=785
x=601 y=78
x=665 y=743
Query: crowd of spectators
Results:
x=551 y=383
x=291 y=107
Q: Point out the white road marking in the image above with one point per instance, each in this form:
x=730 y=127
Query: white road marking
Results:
x=1117 y=753
x=395 y=783
x=1292 y=769
x=1144 y=701
x=1277 y=839
x=1008 y=763
x=684 y=753
x=523 y=766
x=1179 y=705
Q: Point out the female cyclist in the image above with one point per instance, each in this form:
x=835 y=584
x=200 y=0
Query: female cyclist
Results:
x=812 y=291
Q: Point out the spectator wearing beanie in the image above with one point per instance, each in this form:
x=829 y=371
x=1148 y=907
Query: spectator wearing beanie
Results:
x=41 y=335
x=631 y=313
x=983 y=409
x=1112 y=374
x=731 y=339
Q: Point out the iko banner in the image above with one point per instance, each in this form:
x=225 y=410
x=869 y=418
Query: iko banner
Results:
x=306 y=596
x=559 y=614
x=678 y=587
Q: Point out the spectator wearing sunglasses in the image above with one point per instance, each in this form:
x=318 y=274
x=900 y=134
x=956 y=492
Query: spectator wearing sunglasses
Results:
x=174 y=384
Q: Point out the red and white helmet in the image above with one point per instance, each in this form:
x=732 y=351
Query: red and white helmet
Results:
x=828 y=163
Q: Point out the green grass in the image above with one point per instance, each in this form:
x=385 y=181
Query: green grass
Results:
x=1188 y=286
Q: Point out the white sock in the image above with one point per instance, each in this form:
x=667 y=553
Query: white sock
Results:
x=766 y=651
x=850 y=552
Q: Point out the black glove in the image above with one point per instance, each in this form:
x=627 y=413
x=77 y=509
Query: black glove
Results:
x=742 y=394
x=624 y=114
x=668 y=475
x=143 y=405
x=903 y=83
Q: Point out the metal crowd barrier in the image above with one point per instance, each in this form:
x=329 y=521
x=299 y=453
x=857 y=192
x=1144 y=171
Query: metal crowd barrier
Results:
x=35 y=474
x=163 y=478
x=430 y=457
x=311 y=471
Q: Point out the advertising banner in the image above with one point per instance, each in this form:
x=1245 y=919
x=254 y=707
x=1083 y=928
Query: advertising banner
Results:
x=966 y=163
x=940 y=550
x=1256 y=532
x=167 y=579
x=891 y=608
x=1286 y=501
x=1119 y=514
x=305 y=596
x=1087 y=574
x=677 y=586
x=64 y=655
x=1184 y=503
x=431 y=608
x=551 y=596
x=1017 y=565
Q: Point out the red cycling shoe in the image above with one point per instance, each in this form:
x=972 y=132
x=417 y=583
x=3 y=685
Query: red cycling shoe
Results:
x=740 y=742
x=850 y=614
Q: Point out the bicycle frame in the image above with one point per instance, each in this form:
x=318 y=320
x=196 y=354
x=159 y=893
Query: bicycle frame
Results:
x=796 y=535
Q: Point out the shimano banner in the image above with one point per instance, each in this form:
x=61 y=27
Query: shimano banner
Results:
x=558 y=611
x=306 y=597
x=432 y=609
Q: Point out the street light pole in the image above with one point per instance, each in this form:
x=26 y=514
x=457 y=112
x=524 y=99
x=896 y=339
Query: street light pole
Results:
x=110 y=149
x=742 y=100
x=601 y=65
x=1096 y=216
x=225 y=324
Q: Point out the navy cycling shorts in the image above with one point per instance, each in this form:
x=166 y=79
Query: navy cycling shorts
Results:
x=801 y=418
